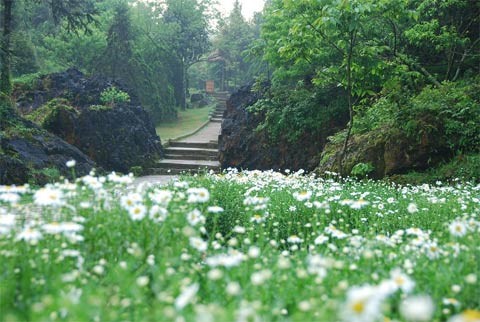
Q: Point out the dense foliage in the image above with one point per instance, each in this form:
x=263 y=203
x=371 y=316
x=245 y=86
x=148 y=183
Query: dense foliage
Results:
x=394 y=61
x=146 y=45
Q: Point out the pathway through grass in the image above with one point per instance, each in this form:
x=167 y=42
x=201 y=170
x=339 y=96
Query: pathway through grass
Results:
x=187 y=122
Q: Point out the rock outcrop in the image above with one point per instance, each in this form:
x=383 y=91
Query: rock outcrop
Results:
x=68 y=104
x=388 y=152
x=28 y=153
x=242 y=147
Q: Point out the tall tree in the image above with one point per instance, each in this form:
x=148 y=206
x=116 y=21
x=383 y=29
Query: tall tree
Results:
x=117 y=58
x=6 y=55
x=234 y=38
x=188 y=25
x=77 y=14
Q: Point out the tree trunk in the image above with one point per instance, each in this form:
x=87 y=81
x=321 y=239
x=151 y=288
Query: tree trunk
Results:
x=343 y=154
x=183 y=97
x=6 y=54
x=6 y=105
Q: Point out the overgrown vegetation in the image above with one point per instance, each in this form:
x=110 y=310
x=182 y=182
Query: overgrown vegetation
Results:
x=410 y=65
x=462 y=167
x=44 y=115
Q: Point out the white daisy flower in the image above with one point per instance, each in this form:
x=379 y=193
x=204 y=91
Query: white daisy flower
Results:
x=48 y=197
x=158 y=214
x=199 y=195
x=417 y=308
x=137 y=212
x=457 y=229
x=362 y=305
x=29 y=235
x=195 y=217
x=71 y=163
x=302 y=195
x=198 y=243
x=402 y=281
x=412 y=208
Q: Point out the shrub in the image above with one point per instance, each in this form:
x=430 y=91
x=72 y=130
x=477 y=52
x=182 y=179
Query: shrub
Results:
x=362 y=170
x=453 y=112
x=293 y=114
x=46 y=115
x=112 y=96
x=450 y=113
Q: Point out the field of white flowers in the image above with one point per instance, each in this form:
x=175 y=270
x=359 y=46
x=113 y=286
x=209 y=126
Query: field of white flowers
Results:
x=252 y=246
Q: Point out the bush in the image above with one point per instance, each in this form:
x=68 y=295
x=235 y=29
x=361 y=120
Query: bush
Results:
x=462 y=167
x=292 y=114
x=112 y=96
x=450 y=113
x=362 y=170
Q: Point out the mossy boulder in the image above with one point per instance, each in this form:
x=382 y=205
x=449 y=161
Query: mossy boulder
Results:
x=390 y=151
x=27 y=151
x=58 y=117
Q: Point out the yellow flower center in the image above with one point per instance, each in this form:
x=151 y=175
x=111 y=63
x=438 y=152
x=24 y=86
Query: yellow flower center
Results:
x=471 y=315
x=358 y=307
x=399 y=280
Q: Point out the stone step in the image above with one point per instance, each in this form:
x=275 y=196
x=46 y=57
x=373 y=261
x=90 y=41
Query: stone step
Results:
x=188 y=164
x=173 y=171
x=194 y=145
x=192 y=151
x=216 y=120
x=194 y=157
x=217 y=115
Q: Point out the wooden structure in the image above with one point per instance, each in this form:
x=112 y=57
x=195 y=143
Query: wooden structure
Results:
x=210 y=86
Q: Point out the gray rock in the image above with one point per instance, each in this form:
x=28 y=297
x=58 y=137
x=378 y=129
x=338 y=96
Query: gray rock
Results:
x=241 y=146
x=24 y=155
x=116 y=138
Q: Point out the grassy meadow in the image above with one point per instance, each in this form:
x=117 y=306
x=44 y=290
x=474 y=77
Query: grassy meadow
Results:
x=251 y=246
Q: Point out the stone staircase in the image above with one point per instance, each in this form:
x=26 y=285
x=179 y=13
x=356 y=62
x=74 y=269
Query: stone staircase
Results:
x=198 y=152
x=217 y=115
